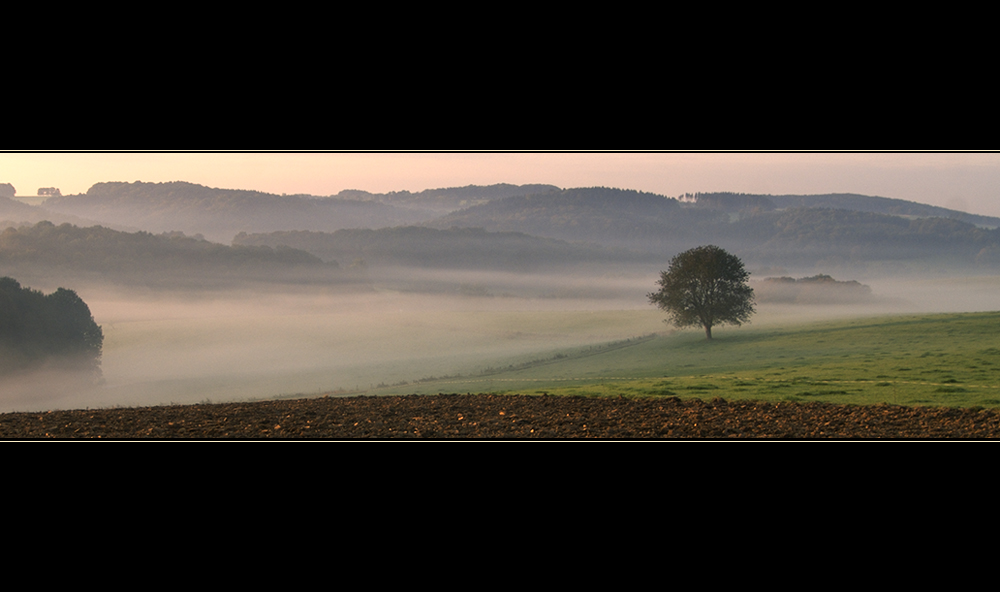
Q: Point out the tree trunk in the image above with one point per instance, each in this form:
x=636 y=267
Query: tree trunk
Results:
x=708 y=331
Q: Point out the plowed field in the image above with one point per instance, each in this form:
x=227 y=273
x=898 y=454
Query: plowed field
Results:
x=506 y=417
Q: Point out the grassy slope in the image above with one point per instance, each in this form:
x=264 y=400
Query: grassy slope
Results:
x=941 y=360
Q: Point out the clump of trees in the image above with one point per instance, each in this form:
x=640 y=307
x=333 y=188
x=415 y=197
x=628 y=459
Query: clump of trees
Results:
x=818 y=289
x=54 y=330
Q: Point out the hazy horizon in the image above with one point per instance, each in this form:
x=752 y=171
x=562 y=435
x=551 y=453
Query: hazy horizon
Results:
x=965 y=181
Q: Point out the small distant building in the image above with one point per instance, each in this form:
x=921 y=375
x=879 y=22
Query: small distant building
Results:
x=49 y=191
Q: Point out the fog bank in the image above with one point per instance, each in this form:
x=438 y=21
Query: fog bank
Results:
x=194 y=348
x=191 y=347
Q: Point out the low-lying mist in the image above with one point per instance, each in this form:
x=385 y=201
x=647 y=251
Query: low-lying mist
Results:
x=185 y=347
x=177 y=346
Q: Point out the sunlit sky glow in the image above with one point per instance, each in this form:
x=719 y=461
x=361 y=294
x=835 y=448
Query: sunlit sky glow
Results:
x=958 y=180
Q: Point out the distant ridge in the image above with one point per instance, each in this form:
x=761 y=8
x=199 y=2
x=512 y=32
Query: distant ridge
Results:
x=767 y=230
x=801 y=231
x=220 y=214
x=614 y=217
x=453 y=248
x=164 y=260
x=15 y=213
x=842 y=201
x=448 y=199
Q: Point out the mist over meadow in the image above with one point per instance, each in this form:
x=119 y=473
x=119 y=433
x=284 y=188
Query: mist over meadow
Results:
x=209 y=294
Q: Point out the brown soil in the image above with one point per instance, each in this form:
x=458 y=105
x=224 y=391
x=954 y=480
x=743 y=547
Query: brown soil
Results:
x=506 y=417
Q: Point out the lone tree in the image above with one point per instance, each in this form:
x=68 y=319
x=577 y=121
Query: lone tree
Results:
x=705 y=286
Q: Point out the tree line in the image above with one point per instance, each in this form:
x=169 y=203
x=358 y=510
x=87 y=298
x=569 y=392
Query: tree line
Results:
x=163 y=259
x=453 y=248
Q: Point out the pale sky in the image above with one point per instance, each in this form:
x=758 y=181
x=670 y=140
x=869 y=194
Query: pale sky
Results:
x=960 y=180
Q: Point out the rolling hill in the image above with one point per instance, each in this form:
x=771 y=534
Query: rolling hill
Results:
x=453 y=248
x=735 y=202
x=609 y=216
x=752 y=226
x=808 y=232
x=219 y=214
x=15 y=213
x=63 y=253
x=448 y=199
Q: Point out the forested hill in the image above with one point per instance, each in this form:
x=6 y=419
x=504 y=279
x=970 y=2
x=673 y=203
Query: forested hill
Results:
x=761 y=233
x=46 y=252
x=610 y=216
x=453 y=248
x=15 y=212
x=733 y=202
x=765 y=230
x=807 y=236
x=219 y=214
x=448 y=199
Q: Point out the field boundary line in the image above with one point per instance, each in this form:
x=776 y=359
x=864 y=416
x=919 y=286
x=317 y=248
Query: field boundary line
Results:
x=480 y=380
x=808 y=382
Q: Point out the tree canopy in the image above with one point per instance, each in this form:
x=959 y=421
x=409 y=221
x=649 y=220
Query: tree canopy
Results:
x=705 y=286
x=56 y=329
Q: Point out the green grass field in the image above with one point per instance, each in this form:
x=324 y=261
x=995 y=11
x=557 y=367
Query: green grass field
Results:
x=936 y=360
